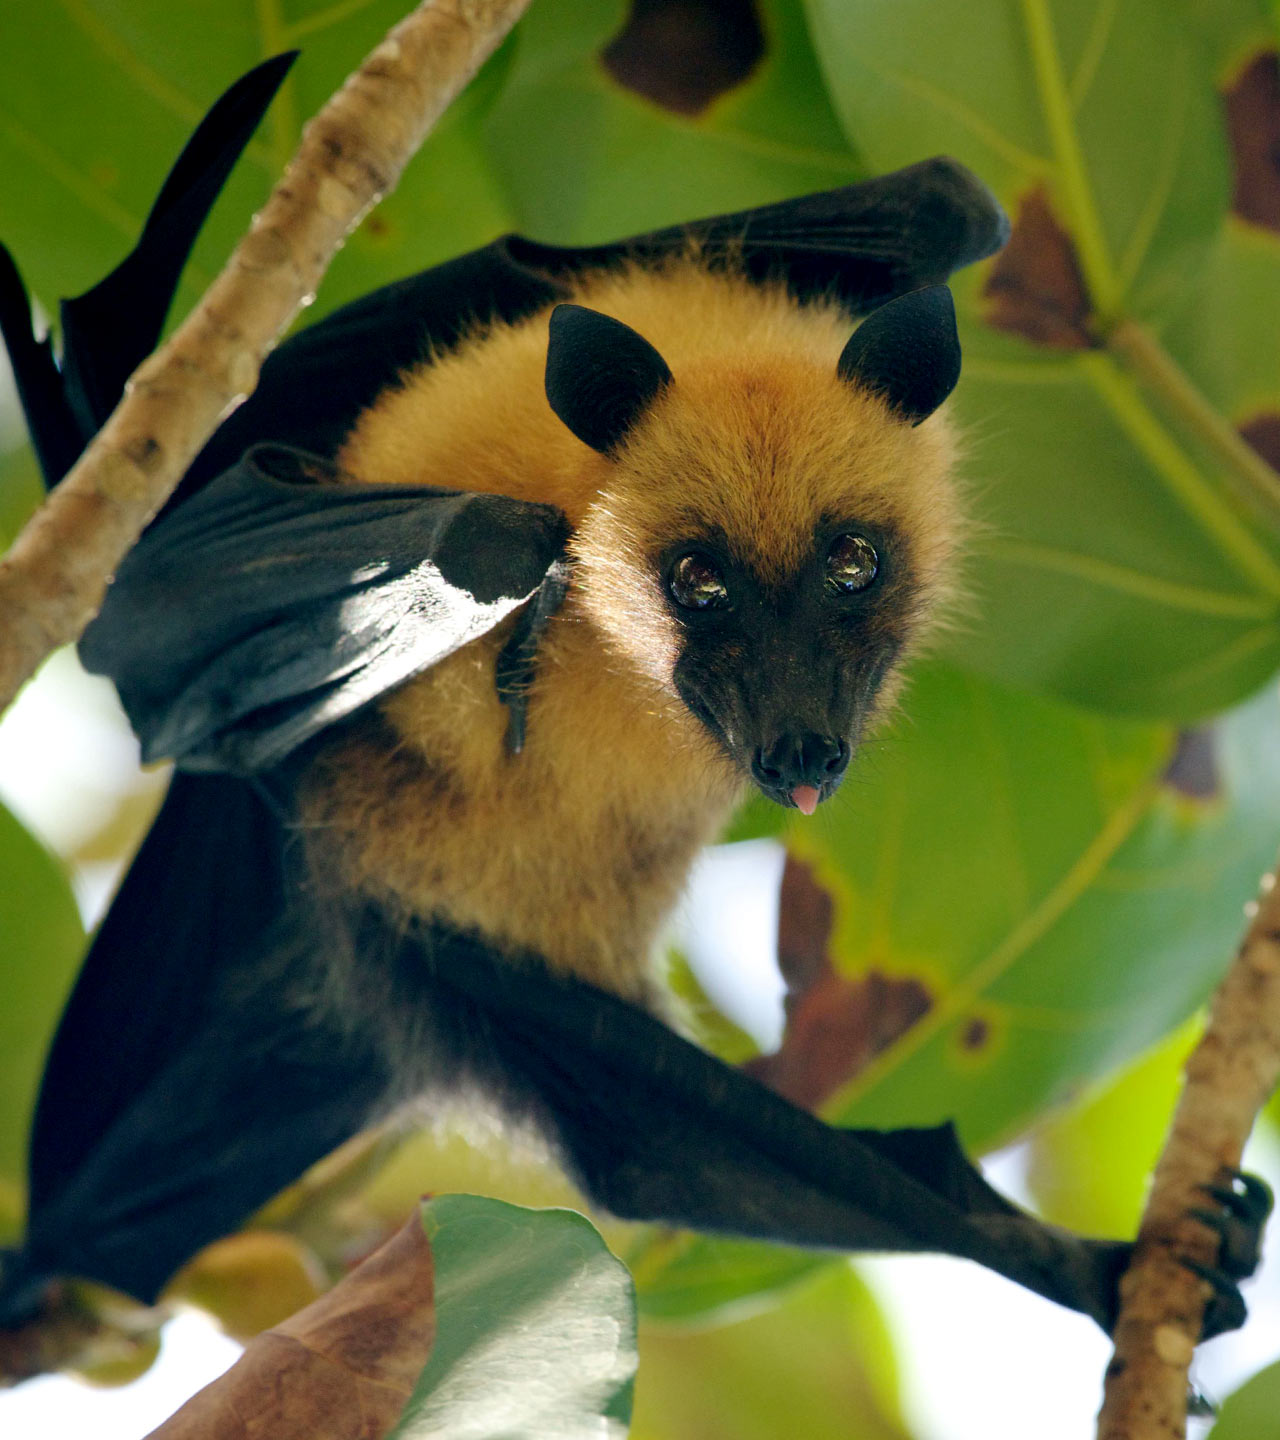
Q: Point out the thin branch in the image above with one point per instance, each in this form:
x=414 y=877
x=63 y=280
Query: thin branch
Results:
x=54 y=577
x=1227 y=1079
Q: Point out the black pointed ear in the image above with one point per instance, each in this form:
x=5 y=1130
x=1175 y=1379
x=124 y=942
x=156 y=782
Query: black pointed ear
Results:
x=907 y=352
x=601 y=375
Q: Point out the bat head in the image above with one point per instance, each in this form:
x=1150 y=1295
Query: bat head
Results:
x=776 y=525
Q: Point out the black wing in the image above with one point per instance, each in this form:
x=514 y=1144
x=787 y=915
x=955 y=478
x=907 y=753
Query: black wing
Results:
x=863 y=243
x=260 y=1078
x=276 y=602
x=109 y=330
x=191 y=1077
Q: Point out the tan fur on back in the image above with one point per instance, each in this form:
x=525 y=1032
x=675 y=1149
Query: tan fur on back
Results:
x=579 y=846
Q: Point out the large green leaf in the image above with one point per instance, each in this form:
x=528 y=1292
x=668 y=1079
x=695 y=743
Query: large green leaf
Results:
x=1064 y=905
x=1111 y=106
x=535 y=1328
x=819 y=1365
x=1052 y=900
x=41 y=940
x=586 y=160
x=1110 y=533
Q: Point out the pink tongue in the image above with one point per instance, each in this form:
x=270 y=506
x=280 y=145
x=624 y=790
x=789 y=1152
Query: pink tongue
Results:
x=805 y=799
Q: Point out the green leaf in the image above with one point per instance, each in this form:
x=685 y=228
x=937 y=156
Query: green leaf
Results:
x=1110 y=105
x=683 y=1277
x=1225 y=335
x=77 y=190
x=1108 y=532
x=1090 y=557
x=1060 y=903
x=1251 y=1412
x=1126 y=1120
x=820 y=1366
x=20 y=491
x=535 y=1327
x=43 y=941
x=586 y=160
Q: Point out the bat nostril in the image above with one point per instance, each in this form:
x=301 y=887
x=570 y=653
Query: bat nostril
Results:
x=822 y=758
x=765 y=768
x=835 y=757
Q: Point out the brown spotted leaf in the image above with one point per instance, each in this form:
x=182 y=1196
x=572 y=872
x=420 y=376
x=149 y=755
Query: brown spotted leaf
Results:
x=1035 y=288
x=1263 y=433
x=1053 y=890
x=584 y=152
x=682 y=54
x=1253 y=126
x=341 y=1369
x=835 y=1026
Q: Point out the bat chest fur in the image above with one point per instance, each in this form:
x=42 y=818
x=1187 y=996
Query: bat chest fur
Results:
x=577 y=848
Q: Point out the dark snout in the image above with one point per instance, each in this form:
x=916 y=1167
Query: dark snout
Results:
x=800 y=768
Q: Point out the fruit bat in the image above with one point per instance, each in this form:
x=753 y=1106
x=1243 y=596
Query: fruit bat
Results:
x=465 y=632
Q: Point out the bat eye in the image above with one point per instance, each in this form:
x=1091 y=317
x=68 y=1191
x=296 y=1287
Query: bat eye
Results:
x=697 y=584
x=852 y=564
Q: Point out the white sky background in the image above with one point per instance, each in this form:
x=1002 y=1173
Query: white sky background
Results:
x=981 y=1358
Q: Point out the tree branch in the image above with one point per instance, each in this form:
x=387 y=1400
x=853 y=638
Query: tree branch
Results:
x=53 y=579
x=1227 y=1079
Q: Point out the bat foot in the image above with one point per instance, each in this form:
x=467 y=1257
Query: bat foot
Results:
x=1237 y=1218
x=1226 y=1308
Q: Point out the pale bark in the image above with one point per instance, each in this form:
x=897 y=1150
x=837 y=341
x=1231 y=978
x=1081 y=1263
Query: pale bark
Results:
x=1228 y=1078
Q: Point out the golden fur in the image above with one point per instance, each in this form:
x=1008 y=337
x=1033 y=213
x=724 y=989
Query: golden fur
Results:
x=579 y=846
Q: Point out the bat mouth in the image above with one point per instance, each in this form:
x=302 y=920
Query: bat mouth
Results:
x=805 y=798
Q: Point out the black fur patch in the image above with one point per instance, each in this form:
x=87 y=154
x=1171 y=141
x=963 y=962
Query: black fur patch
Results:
x=794 y=656
x=601 y=375
x=907 y=352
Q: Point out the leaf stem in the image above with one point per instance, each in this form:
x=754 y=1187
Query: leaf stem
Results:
x=1251 y=479
x=1198 y=497
x=285 y=125
x=1104 y=285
